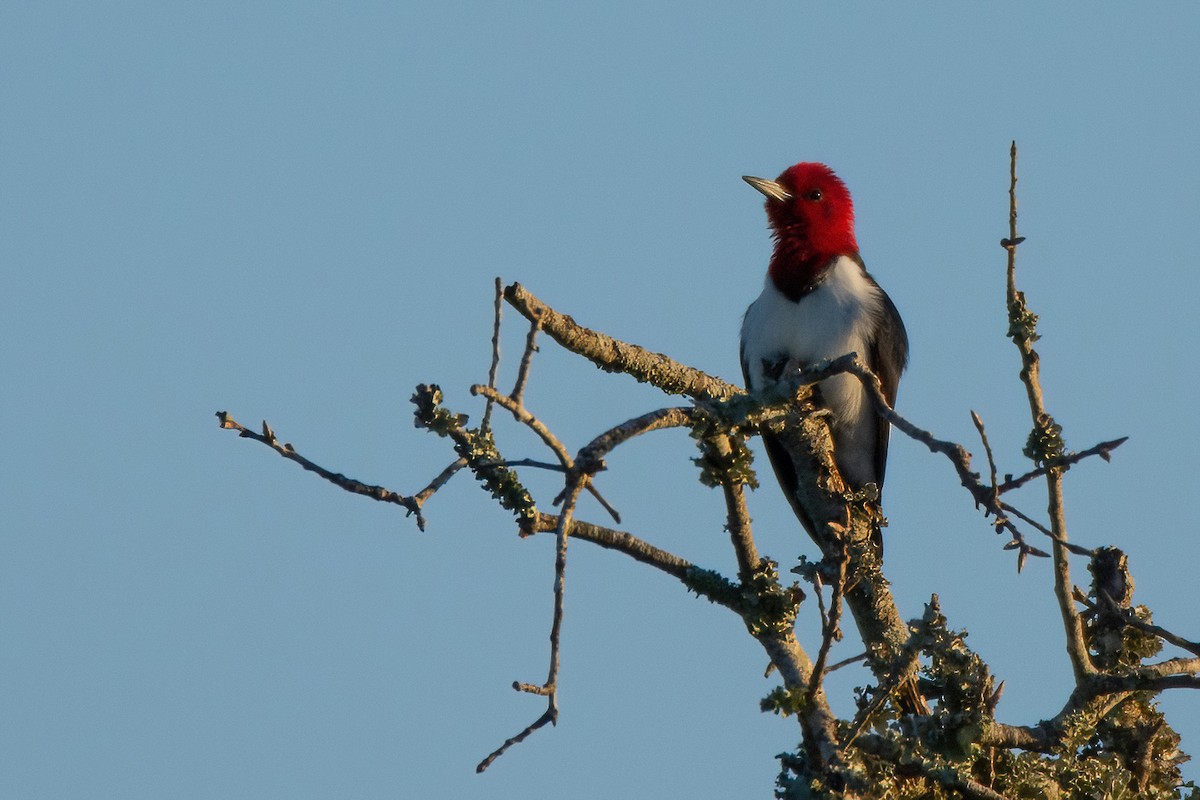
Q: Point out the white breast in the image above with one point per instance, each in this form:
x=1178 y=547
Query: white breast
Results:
x=836 y=318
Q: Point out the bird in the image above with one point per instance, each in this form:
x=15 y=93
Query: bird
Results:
x=818 y=303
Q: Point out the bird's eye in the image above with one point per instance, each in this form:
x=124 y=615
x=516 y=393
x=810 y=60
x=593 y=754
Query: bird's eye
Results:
x=814 y=194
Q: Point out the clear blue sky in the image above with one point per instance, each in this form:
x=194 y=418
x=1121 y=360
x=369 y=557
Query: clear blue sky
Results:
x=295 y=211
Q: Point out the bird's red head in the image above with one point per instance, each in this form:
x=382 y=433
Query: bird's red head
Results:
x=812 y=218
x=815 y=206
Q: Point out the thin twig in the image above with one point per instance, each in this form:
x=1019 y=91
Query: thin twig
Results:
x=882 y=693
x=578 y=481
x=591 y=456
x=620 y=541
x=549 y=689
x=737 y=515
x=1021 y=330
x=958 y=455
x=533 y=462
x=579 y=472
x=1129 y=617
x=602 y=445
x=1104 y=450
x=520 y=737
x=518 y=392
x=817 y=585
x=412 y=504
x=900 y=680
x=1074 y=548
x=442 y=478
x=522 y=415
x=845 y=662
x=831 y=622
x=987 y=448
x=485 y=425
x=607 y=506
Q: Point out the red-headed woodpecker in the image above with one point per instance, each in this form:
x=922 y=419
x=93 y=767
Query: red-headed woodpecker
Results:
x=819 y=303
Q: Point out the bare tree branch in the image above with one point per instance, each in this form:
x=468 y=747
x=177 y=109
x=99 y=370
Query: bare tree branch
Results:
x=495 y=367
x=958 y=455
x=541 y=721
x=523 y=416
x=438 y=482
x=1108 y=643
x=845 y=662
x=622 y=542
x=549 y=689
x=518 y=392
x=1103 y=449
x=1045 y=441
x=613 y=355
x=830 y=622
x=719 y=452
x=384 y=495
x=1129 y=617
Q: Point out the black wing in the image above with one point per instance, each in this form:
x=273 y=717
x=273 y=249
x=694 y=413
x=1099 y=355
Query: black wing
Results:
x=887 y=355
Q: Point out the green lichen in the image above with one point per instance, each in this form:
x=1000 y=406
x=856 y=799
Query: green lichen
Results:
x=1045 y=444
x=479 y=450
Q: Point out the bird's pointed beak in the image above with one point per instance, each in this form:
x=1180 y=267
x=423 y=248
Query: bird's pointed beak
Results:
x=770 y=188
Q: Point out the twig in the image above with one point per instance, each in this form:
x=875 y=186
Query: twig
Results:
x=522 y=415
x=578 y=481
x=1129 y=617
x=830 y=623
x=987 y=448
x=958 y=455
x=533 y=462
x=549 y=689
x=520 y=737
x=737 y=516
x=412 y=504
x=1022 y=326
x=1104 y=450
x=607 y=506
x=518 y=392
x=884 y=691
x=592 y=490
x=1074 y=548
x=591 y=456
x=845 y=662
x=478 y=448
x=579 y=472
x=495 y=367
x=602 y=445
x=442 y=478
x=620 y=541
